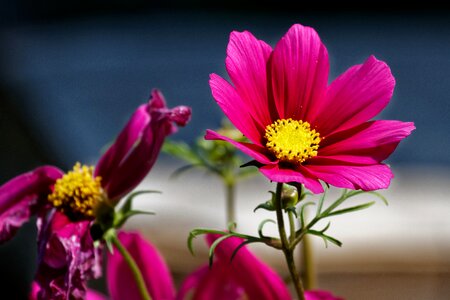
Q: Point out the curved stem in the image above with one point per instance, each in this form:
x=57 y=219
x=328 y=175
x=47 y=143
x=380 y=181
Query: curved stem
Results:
x=133 y=267
x=286 y=247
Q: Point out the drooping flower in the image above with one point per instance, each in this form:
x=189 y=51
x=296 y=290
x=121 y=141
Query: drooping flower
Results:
x=300 y=128
x=67 y=204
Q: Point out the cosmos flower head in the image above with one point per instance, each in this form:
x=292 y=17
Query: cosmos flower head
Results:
x=67 y=204
x=300 y=128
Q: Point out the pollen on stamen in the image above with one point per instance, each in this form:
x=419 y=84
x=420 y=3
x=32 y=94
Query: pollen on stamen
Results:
x=291 y=140
x=77 y=193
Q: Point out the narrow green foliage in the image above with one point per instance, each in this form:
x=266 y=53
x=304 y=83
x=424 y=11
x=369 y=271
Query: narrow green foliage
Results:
x=261 y=226
x=326 y=238
x=250 y=241
x=213 y=247
x=302 y=212
x=351 y=209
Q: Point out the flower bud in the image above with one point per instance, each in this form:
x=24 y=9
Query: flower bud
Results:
x=289 y=196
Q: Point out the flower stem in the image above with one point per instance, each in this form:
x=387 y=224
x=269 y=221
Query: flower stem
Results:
x=291 y=227
x=286 y=246
x=309 y=275
x=133 y=267
x=230 y=201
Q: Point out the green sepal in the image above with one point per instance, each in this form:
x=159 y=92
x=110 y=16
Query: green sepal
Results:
x=129 y=200
x=268 y=205
x=252 y=163
x=293 y=210
x=107 y=237
x=126 y=211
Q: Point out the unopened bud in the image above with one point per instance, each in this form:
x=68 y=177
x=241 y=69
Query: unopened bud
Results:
x=289 y=196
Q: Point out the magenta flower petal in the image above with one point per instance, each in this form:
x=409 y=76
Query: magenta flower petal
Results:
x=137 y=162
x=368 y=143
x=257 y=279
x=299 y=72
x=234 y=107
x=123 y=144
x=320 y=295
x=20 y=198
x=252 y=150
x=365 y=177
x=67 y=257
x=277 y=174
x=154 y=270
x=192 y=282
x=246 y=64
x=217 y=284
x=94 y=295
x=356 y=96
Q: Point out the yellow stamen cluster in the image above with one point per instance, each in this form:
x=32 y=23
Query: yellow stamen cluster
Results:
x=291 y=140
x=77 y=193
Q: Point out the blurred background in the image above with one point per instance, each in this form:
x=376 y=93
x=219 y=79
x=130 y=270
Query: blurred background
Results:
x=72 y=72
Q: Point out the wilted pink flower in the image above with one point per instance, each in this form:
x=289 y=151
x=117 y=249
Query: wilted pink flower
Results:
x=244 y=277
x=66 y=204
x=302 y=129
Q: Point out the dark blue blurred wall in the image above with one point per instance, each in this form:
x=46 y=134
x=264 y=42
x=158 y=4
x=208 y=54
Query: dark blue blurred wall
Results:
x=70 y=81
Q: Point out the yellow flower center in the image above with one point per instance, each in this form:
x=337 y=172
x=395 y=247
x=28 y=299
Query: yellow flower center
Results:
x=292 y=141
x=77 y=193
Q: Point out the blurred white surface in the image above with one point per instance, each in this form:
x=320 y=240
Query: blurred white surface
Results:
x=405 y=244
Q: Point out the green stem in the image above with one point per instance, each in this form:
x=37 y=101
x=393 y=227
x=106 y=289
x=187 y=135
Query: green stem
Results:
x=286 y=247
x=309 y=275
x=230 y=201
x=291 y=226
x=133 y=267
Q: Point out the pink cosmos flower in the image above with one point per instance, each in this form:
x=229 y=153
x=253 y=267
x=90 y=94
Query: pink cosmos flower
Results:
x=300 y=128
x=66 y=204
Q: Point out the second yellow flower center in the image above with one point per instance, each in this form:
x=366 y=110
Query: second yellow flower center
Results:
x=291 y=140
x=77 y=193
